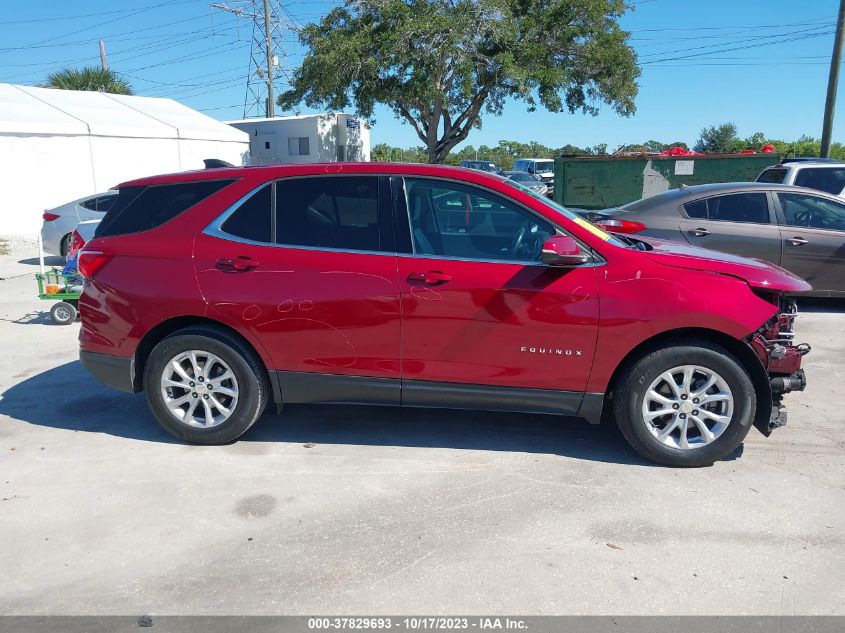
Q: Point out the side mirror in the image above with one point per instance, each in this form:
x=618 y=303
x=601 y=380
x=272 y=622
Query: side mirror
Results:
x=562 y=250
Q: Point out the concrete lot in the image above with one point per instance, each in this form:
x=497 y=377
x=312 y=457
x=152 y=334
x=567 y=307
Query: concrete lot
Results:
x=399 y=511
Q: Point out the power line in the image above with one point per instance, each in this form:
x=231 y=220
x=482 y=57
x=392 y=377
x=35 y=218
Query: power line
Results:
x=770 y=38
x=734 y=26
x=95 y=26
x=85 y=15
x=736 y=48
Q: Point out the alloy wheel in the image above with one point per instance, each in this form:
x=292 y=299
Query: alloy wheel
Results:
x=199 y=389
x=688 y=406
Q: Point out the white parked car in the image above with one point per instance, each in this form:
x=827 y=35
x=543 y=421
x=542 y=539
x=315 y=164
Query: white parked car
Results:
x=820 y=174
x=542 y=167
x=59 y=223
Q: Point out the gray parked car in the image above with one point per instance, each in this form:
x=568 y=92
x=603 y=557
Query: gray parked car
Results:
x=532 y=181
x=800 y=229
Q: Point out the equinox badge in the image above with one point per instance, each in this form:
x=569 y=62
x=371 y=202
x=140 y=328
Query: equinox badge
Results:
x=554 y=351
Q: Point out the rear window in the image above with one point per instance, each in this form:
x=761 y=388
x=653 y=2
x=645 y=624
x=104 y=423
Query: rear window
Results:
x=775 y=176
x=827 y=179
x=140 y=209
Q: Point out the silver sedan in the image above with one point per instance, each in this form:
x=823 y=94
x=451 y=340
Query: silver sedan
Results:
x=59 y=222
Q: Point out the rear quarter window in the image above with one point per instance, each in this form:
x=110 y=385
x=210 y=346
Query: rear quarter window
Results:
x=139 y=209
x=775 y=176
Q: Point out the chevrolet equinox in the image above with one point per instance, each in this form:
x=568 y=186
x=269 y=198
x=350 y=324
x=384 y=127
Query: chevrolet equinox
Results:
x=217 y=292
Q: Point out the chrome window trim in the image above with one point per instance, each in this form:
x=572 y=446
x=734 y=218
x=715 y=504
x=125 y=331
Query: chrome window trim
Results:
x=601 y=262
x=214 y=229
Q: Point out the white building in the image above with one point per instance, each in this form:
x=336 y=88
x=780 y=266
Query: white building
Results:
x=59 y=145
x=308 y=138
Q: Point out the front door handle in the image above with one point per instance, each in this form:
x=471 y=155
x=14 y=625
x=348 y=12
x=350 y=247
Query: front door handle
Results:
x=430 y=277
x=237 y=263
x=797 y=241
x=699 y=232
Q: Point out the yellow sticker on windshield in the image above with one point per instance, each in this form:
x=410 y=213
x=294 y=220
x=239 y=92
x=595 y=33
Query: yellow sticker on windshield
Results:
x=592 y=228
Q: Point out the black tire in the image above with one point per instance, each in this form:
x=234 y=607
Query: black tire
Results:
x=636 y=379
x=253 y=383
x=63 y=313
x=64 y=245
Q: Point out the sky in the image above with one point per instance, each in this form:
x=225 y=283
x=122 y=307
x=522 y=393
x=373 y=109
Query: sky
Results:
x=762 y=65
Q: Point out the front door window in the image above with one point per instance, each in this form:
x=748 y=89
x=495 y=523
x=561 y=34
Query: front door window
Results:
x=463 y=222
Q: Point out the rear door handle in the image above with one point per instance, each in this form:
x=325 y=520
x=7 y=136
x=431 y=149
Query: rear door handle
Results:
x=430 y=277
x=238 y=263
x=797 y=241
x=699 y=232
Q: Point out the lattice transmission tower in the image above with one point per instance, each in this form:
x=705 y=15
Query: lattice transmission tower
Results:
x=267 y=54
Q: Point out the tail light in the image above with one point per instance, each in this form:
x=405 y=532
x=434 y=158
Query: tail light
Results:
x=49 y=217
x=90 y=262
x=76 y=242
x=621 y=226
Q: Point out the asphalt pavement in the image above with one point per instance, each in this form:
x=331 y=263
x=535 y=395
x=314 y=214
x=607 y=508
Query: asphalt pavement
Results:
x=365 y=510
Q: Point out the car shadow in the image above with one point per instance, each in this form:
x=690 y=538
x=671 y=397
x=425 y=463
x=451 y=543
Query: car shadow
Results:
x=36 y=317
x=49 y=260
x=66 y=397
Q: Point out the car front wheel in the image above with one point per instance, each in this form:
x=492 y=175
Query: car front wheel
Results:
x=205 y=386
x=685 y=405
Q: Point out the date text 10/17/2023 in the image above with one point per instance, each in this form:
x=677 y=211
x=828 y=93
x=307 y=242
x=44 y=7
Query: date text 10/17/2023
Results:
x=417 y=623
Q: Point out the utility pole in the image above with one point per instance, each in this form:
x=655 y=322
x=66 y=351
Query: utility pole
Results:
x=104 y=64
x=833 y=82
x=264 y=65
x=271 y=108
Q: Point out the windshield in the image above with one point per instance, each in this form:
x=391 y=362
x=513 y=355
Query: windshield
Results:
x=560 y=209
x=523 y=176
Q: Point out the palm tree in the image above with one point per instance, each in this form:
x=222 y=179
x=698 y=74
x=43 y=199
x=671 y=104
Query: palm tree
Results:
x=90 y=78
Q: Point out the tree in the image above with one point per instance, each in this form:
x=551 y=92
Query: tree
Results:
x=721 y=138
x=91 y=78
x=438 y=64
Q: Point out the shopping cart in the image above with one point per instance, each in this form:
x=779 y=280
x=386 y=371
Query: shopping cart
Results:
x=55 y=285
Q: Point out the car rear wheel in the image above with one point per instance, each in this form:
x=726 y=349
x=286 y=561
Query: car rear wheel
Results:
x=64 y=245
x=205 y=385
x=685 y=405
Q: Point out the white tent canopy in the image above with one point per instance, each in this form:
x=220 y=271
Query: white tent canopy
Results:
x=60 y=145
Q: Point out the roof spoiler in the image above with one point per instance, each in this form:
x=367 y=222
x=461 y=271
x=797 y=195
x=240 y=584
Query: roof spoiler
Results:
x=216 y=163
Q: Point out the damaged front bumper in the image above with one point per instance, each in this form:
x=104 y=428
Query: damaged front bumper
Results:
x=774 y=344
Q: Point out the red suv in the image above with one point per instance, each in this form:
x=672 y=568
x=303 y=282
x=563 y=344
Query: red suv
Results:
x=217 y=292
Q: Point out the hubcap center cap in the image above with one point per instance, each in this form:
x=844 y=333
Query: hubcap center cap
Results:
x=687 y=406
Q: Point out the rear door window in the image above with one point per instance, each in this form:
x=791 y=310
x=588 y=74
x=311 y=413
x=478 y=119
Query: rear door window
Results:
x=828 y=179
x=733 y=207
x=775 y=175
x=140 y=209
x=339 y=212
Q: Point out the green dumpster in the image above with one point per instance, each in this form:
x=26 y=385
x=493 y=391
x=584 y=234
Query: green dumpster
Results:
x=599 y=182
